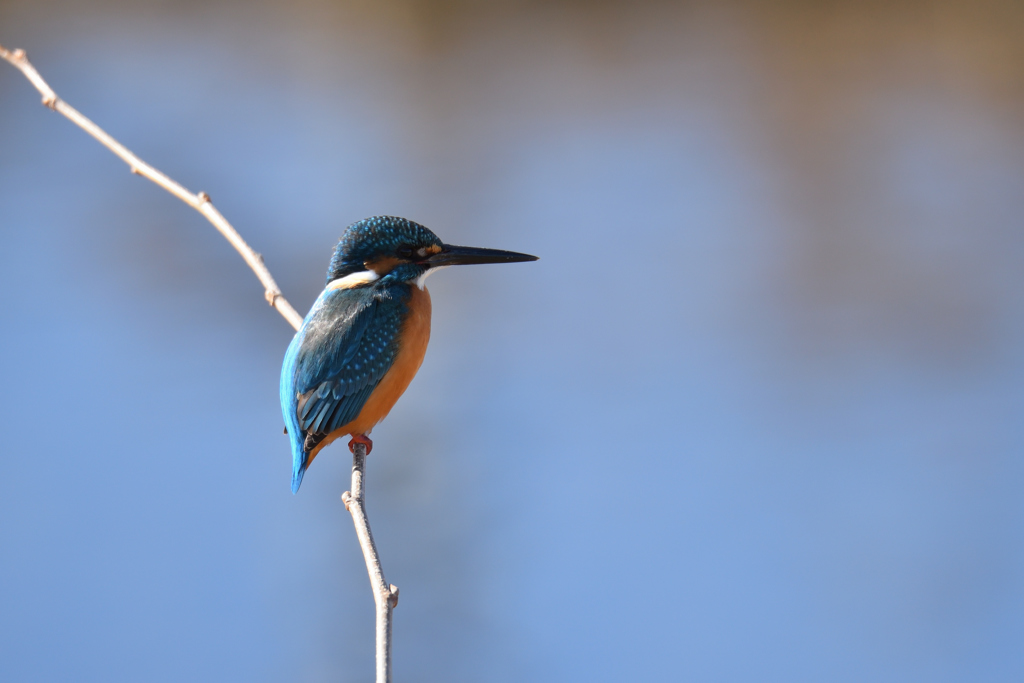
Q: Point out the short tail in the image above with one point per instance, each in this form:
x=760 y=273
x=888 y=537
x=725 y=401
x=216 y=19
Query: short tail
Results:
x=298 y=469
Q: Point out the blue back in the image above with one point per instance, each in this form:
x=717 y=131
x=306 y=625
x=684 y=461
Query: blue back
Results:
x=346 y=345
x=349 y=339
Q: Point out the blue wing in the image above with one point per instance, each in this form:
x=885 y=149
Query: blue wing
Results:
x=345 y=346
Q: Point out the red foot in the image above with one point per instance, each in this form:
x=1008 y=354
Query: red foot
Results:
x=363 y=439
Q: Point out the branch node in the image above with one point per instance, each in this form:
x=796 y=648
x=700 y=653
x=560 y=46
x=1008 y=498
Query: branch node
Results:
x=135 y=171
x=203 y=197
x=50 y=101
x=346 y=498
x=18 y=55
x=393 y=597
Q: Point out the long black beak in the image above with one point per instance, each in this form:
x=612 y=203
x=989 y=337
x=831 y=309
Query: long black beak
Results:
x=451 y=255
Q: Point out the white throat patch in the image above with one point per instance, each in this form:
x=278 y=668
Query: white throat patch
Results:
x=354 y=280
x=422 y=279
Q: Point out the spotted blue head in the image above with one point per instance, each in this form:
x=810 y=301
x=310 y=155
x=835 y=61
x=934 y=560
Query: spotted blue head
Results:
x=401 y=250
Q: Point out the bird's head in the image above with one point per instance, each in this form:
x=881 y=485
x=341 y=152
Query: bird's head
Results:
x=401 y=250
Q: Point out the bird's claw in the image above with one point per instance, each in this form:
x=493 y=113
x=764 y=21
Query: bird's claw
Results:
x=363 y=439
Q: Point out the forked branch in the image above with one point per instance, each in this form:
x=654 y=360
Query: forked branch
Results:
x=200 y=201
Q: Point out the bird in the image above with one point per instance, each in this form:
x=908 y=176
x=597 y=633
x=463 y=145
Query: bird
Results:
x=364 y=339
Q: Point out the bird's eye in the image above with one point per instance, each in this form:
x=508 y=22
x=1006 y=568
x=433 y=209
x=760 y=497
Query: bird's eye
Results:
x=404 y=251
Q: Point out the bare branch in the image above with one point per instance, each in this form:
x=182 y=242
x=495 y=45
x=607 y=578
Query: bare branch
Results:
x=200 y=202
x=385 y=595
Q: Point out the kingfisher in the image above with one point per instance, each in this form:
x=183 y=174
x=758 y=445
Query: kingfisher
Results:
x=366 y=335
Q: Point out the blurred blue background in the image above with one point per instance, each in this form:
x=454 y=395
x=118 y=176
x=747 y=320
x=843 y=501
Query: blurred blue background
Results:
x=755 y=415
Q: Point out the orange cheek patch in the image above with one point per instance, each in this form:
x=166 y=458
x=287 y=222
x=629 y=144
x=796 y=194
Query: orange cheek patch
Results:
x=383 y=265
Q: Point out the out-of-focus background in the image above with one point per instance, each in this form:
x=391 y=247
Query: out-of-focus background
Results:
x=755 y=415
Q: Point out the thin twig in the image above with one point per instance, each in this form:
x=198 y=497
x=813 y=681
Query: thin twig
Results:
x=385 y=595
x=200 y=202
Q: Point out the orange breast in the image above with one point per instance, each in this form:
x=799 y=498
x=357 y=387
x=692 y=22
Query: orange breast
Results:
x=412 y=347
